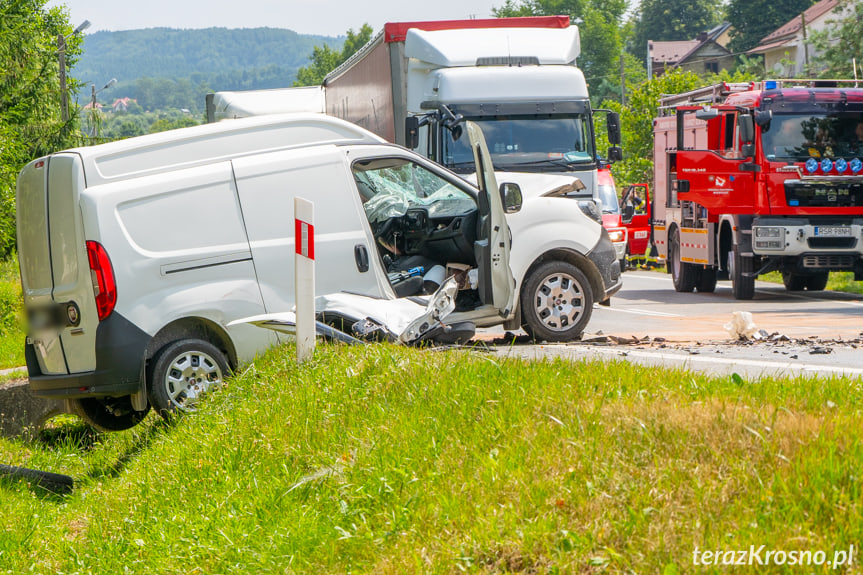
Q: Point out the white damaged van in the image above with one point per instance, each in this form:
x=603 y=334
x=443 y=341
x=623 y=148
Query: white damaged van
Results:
x=137 y=254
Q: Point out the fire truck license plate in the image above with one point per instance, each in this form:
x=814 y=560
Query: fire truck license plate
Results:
x=832 y=231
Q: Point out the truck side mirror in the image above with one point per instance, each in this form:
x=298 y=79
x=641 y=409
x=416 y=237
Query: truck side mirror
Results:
x=628 y=212
x=510 y=195
x=612 y=124
x=412 y=132
x=747 y=150
x=615 y=154
x=763 y=117
x=746 y=128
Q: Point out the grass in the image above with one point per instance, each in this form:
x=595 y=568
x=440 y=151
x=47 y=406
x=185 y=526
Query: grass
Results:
x=12 y=325
x=381 y=459
x=839 y=281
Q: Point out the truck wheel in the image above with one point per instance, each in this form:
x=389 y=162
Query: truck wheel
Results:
x=742 y=287
x=799 y=282
x=108 y=413
x=706 y=280
x=683 y=275
x=818 y=281
x=556 y=302
x=182 y=373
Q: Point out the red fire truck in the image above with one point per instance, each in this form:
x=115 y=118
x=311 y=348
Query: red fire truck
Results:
x=756 y=177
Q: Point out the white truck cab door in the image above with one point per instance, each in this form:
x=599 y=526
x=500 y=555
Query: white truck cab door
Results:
x=496 y=282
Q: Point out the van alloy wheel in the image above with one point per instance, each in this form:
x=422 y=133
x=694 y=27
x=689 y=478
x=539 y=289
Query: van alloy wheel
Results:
x=183 y=373
x=556 y=301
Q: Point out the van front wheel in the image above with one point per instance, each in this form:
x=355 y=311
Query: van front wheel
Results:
x=556 y=302
x=182 y=373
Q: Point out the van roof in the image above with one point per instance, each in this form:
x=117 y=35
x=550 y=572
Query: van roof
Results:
x=198 y=145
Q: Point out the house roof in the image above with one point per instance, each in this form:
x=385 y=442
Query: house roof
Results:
x=672 y=52
x=767 y=47
x=794 y=25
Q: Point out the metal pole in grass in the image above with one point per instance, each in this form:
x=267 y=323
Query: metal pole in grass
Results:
x=304 y=277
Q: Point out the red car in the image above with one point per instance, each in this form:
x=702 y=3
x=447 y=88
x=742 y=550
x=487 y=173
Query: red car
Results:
x=611 y=216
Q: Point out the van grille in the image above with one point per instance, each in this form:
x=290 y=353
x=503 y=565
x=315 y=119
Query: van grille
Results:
x=826 y=261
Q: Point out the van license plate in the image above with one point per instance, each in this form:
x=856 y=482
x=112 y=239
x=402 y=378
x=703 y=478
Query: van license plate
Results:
x=832 y=231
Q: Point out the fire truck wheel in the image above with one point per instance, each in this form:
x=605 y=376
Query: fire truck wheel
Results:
x=556 y=302
x=706 y=280
x=742 y=286
x=810 y=282
x=683 y=275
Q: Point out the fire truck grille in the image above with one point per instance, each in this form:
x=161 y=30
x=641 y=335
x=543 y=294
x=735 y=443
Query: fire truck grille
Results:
x=821 y=194
x=831 y=262
x=832 y=243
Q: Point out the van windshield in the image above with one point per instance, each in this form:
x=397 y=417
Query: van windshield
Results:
x=534 y=143
x=390 y=186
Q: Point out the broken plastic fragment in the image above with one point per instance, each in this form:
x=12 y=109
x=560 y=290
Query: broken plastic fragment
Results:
x=741 y=325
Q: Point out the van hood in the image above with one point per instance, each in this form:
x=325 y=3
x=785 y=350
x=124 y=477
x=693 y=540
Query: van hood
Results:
x=535 y=185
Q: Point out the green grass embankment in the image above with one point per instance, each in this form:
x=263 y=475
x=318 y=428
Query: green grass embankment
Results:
x=392 y=460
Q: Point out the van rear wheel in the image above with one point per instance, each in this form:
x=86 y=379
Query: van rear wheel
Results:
x=184 y=372
x=556 y=302
x=108 y=413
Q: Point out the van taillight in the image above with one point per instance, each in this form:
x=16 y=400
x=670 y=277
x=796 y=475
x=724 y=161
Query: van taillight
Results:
x=104 y=286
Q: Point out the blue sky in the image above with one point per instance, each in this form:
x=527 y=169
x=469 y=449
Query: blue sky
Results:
x=325 y=17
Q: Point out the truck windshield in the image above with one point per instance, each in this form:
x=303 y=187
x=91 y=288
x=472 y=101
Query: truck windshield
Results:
x=537 y=143
x=608 y=195
x=798 y=137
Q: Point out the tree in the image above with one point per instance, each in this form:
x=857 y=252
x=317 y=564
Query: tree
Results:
x=636 y=118
x=30 y=122
x=325 y=59
x=599 y=25
x=841 y=42
x=752 y=20
x=670 y=20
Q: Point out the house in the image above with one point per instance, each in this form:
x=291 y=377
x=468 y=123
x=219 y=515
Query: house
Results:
x=705 y=54
x=122 y=104
x=786 y=51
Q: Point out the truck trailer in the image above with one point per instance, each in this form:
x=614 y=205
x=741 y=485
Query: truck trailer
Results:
x=515 y=77
x=759 y=177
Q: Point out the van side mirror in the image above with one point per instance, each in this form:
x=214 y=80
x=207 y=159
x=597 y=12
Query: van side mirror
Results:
x=612 y=125
x=615 y=154
x=510 y=195
x=412 y=132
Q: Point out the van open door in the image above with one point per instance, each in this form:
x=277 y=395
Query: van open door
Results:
x=496 y=282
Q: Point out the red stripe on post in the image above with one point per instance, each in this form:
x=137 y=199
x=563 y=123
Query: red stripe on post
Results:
x=304 y=238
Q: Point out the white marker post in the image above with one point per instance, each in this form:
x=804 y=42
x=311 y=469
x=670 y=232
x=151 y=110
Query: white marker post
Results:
x=304 y=277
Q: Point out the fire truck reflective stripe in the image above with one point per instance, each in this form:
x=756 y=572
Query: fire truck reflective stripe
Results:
x=699 y=246
x=304 y=238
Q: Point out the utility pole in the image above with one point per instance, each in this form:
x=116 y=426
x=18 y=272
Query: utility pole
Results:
x=622 y=83
x=64 y=97
x=61 y=54
x=805 y=47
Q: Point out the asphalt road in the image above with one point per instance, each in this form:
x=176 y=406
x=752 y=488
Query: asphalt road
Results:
x=794 y=334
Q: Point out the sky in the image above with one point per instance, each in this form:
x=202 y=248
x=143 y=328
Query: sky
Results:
x=322 y=17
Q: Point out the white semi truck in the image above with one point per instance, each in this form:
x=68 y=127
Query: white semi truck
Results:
x=515 y=77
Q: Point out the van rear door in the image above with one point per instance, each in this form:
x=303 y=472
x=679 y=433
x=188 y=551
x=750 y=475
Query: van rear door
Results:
x=55 y=272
